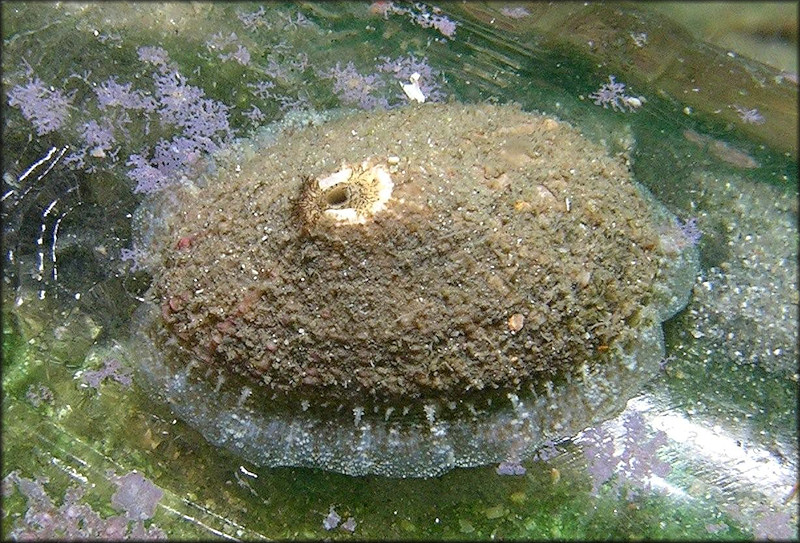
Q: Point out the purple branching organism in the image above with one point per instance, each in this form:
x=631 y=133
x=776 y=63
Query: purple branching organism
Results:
x=255 y=114
x=716 y=528
x=292 y=103
x=513 y=466
x=136 y=498
x=445 y=26
x=278 y=70
x=193 y=125
x=187 y=126
x=689 y=230
x=98 y=138
x=111 y=93
x=221 y=43
x=241 y=55
x=510 y=468
x=332 y=520
x=262 y=89
x=666 y=361
x=598 y=448
x=680 y=234
x=631 y=460
x=613 y=94
x=255 y=19
x=45 y=107
x=383 y=89
x=354 y=88
x=767 y=522
x=115 y=100
x=153 y=55
x=420 y=15
x=749 y=116
x=204 y=125
x=547 y=451
x=177 y=100
x=148 y=179
x=170 y=160
x=402 y=69
x=517 y=12
x=39 y=394
x=112 y=368
x=135 y=256
x=297 y=22
x=349 y=525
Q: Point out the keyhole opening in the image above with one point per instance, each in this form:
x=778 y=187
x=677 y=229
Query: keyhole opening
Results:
x=337 y=196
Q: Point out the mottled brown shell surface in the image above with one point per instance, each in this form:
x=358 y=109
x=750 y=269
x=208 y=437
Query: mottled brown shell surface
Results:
x=508 y=249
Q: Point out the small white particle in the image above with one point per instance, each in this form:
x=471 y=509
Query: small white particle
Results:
x=358 y=412
x=412 y=89
x=248 y=473
x=430 y=412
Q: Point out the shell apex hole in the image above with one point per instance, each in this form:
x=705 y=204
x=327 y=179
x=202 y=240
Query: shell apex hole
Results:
x=338 y=196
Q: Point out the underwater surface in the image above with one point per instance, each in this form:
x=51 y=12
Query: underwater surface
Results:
x=112 y=112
